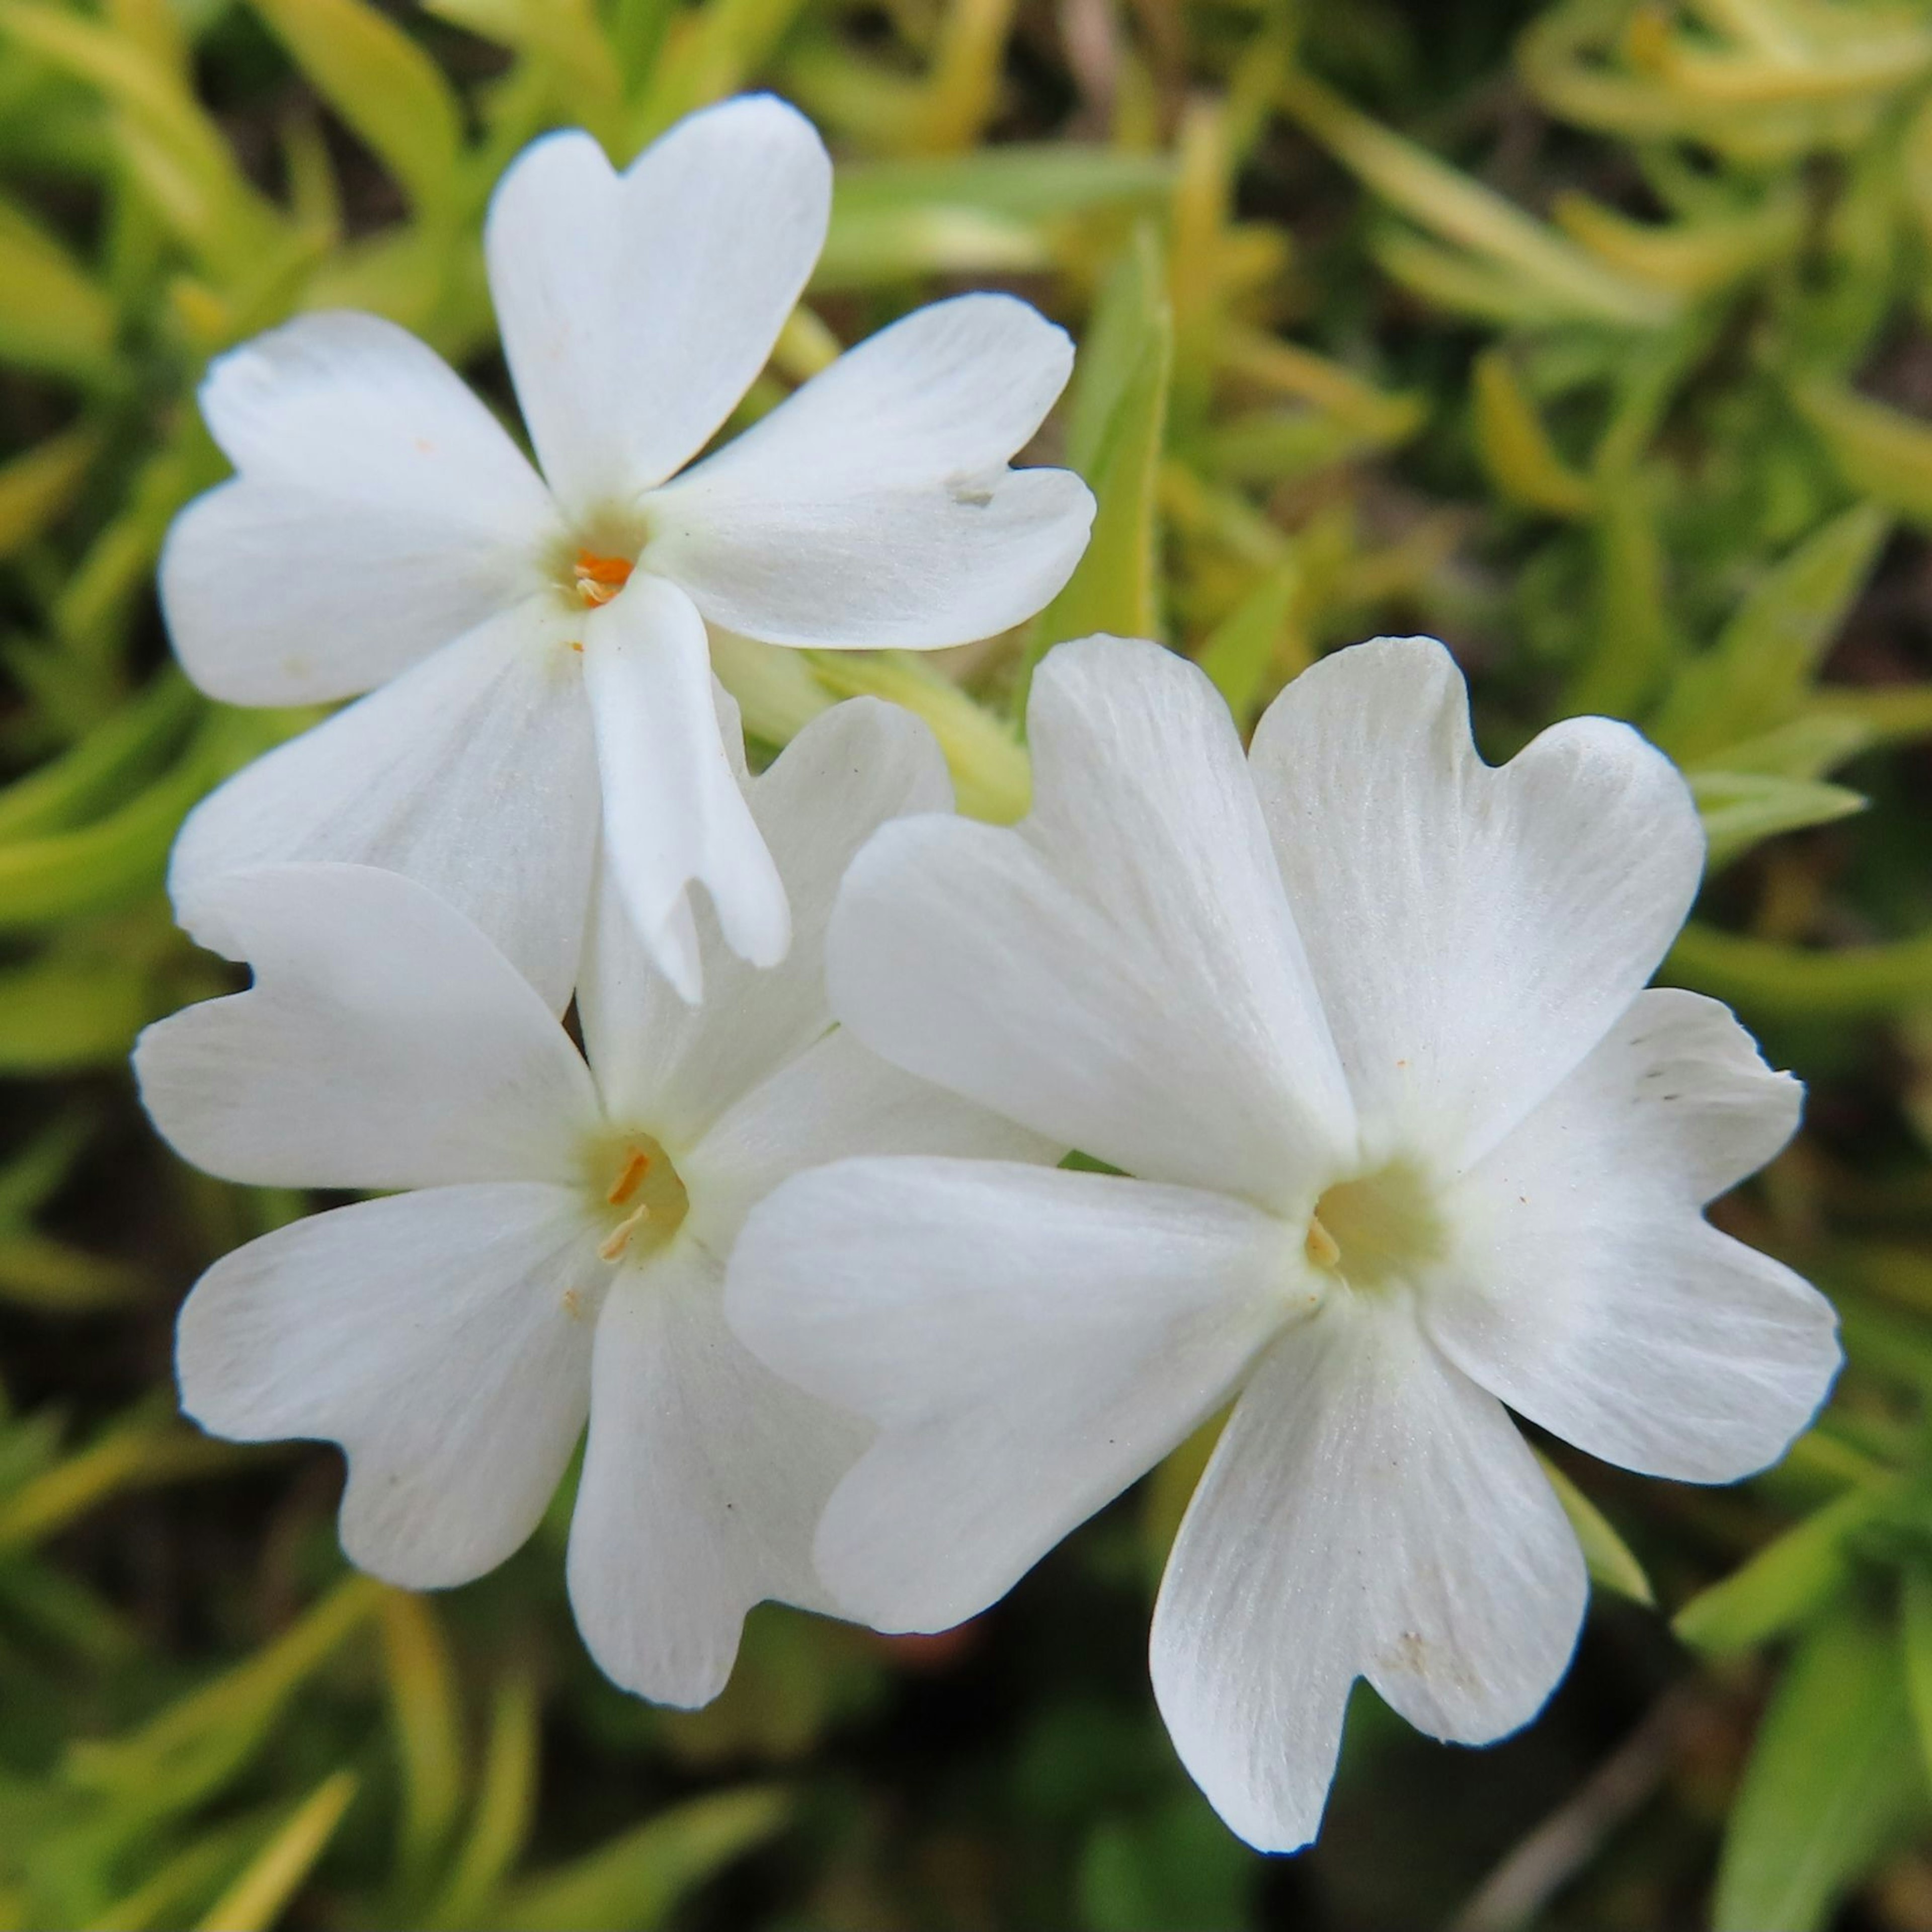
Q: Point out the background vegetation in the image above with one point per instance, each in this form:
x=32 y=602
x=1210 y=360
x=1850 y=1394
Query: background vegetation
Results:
x=1592 y=336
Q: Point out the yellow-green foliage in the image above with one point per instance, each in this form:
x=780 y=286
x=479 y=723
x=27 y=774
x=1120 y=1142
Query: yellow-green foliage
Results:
x=1591 y=335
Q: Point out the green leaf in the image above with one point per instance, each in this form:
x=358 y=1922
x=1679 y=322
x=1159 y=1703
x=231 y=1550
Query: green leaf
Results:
x=1026 y=182
x=428 y=1719
x=1555 y=275
x=1880 y=452
x=68 y=1010
x=1788 y=1579
x=506 y=1800
x=255 y=1900
x=1631 y=651
x=1248 y=644
x=124 y=748
x=1758 y=672
x=58 y=875
x=1806 y=747
x=1742 y=809
x=196 y=1746
x=53 y=315
x=1119 y=420
x=1915 y=1634
x=1609 y=1557
x=1766 y=976
x=639 y=1879
x=173 y=147
x=1516 y=447
x=1180 y=1867
x=1833 y=1777
x=37 y=488
x=383 y=86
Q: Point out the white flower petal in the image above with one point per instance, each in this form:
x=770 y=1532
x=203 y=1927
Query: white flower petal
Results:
x=702 y=1480
x=1474 y=930
x=1368 y=1512
x=385 y=1043
x=1028 y=1341
x=473 y=773
x=673 y=811
x=874 y=507
x=637 y=309
x=681 y=1066
x=1586 y=1289
x=381 y=511
x=1121 y=972
x=835 y=1100
x=443 y=1338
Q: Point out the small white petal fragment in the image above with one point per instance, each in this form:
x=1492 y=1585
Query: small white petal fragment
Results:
x=1589 y=1292
x=1027 y=1341
x=1121 y=972
x=1368 y=1512
x=338 y=1069
x=1474 y=930
x=874 y=507
x=472 y=773
x=637 y=309
x=380 y=512
x=673 y=813
x=436 y=1337
x=702 y=1477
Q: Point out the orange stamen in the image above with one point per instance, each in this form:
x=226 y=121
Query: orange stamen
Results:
x=600 y=578
x=625 y=1185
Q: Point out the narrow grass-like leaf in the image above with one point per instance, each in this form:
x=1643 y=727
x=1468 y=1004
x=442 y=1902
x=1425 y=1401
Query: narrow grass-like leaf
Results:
x=1833 y=1777
x=1119 y=422
x=1789 y=1578
x=1742 y=809
x=255 y=1900
x=640 y=1878
x=1610 y=1561
x=383 y=86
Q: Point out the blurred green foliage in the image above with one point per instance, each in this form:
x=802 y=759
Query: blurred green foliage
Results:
x=1592 y=336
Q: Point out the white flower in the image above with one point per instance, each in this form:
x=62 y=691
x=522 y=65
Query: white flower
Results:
x=524 y=637
x=1363 y=1017
x=556 y=1248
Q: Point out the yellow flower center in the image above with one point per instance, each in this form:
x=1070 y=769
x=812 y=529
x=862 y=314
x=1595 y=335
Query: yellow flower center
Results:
x=642 y=1195
x=1378 y=1228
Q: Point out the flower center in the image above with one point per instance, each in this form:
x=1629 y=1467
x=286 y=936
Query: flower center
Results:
x=642 y=1196
x=598 y=579
x=1377 y=1228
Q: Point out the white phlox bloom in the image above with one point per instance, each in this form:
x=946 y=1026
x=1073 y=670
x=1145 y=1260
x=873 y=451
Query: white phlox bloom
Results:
x=1363 y=1019
x=553 y=1251
x=534 y=646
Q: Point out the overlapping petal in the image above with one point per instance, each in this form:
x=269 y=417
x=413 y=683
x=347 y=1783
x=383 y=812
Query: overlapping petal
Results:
x=674 y=813
x=636 y=309
x=381 y=511
x=683 y=1066
x=385 y=1043
x=874 y=507
x=833 y=1100
x=1121 y=972
x=1474 y=930
x=443 y=1338
x=1368 y=1512
x=703 y=1478
x=1028 y=1341
x=473 y=773
x=1586 y=1289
